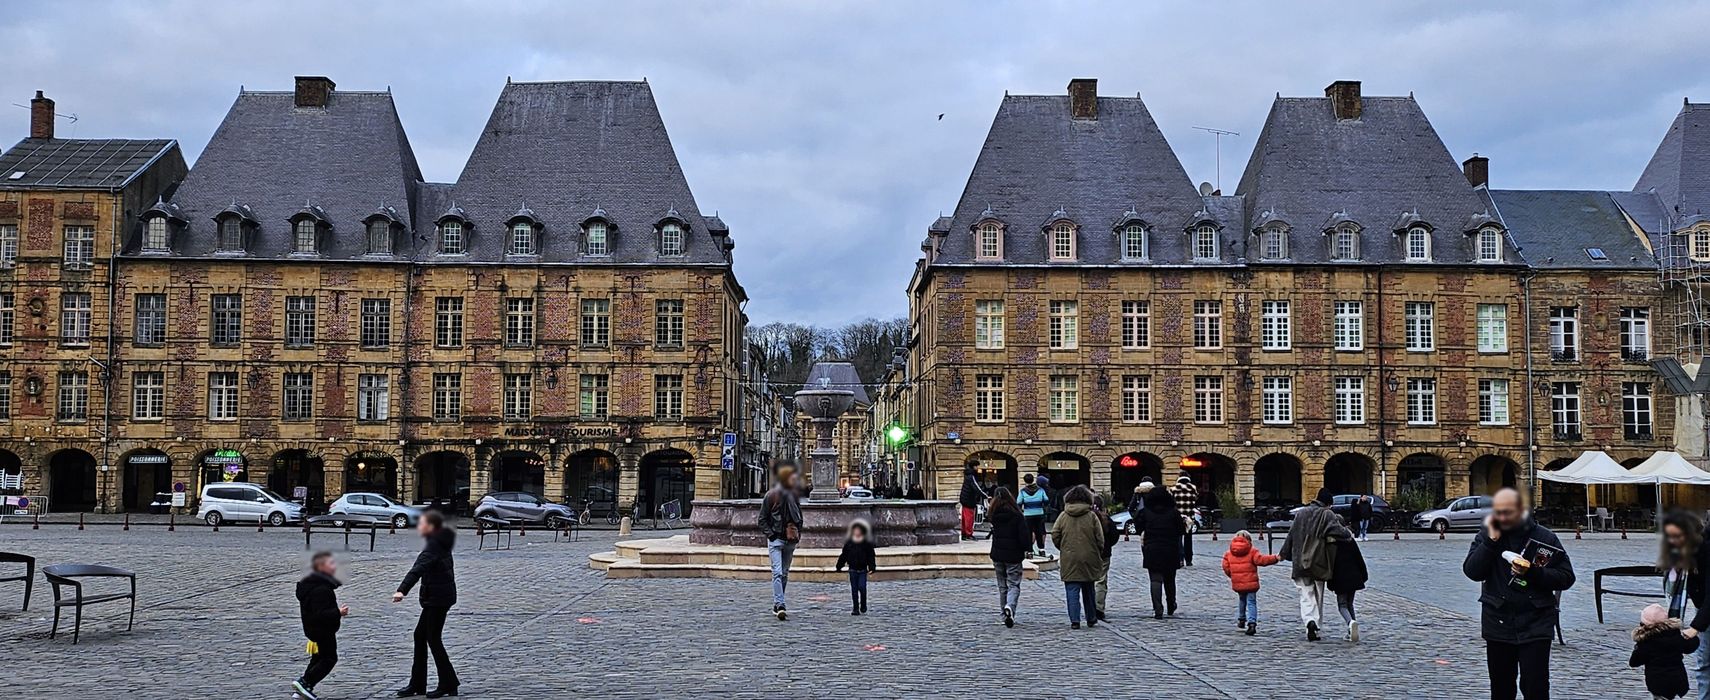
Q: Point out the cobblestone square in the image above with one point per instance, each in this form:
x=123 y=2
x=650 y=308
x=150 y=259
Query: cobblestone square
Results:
x=217 y=619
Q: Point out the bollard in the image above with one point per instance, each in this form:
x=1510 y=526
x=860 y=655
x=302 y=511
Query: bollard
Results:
x=1623 y=533
x=1442 y=535
x=1576 y=531
x=171 y=522
x=38 y=524
x=1214 y=535
x=394 y=527
x=260 y=524
x=127 y=522
x=216 y=526
x=623 y=528
x=1398 y=533
x=80 y=523
x=522 y=529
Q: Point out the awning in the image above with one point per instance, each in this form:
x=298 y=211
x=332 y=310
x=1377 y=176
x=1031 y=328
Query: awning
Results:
x=1671 y=468
x=1594 y=467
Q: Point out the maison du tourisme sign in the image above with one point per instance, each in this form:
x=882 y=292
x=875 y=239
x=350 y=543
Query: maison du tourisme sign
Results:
x=562 y=432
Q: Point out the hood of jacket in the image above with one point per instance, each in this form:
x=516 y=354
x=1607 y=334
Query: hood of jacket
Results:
x=1644 y=632
x=316 y=578
x=1240 y=546
x=865 y=527
x=1078 y=509
x=1031 y=489
x=1160 y=500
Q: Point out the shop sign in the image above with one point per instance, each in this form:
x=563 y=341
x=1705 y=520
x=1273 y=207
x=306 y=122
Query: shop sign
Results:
x=149 y=459
x=562 y=432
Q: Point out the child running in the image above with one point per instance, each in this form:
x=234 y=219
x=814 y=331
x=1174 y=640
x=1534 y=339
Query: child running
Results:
x=859 y=556
x=317 y=600
x=1241 y=564
x=1658 y=646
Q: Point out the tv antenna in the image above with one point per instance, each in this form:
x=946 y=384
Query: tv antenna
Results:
x=1217 y=137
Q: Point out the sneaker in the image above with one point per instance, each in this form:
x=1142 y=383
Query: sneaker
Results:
x=780 y=612
x=304 y=690
x=1354 y=631
x=1312 y=631
x=1252 y=628
x=1241 y=624
x=1008 y=616
x=1172 y=610
x=1074 y=625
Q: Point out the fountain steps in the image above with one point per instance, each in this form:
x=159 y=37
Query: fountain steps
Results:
x=676 y=557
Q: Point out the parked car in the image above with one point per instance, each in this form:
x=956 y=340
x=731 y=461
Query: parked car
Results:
x=520 y=506
x=375 y=506
x=244 y=501
x=1343 y=505
x=1463 y=512
x=859 y=493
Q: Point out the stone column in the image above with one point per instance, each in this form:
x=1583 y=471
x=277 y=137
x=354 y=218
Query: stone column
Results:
x=824 y=455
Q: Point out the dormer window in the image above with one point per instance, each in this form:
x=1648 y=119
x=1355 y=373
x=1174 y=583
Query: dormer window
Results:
x=230 y=233
x=451 y=240
x=1134 y=243
x=157 y=235
x=1062 y=241
x=379 y=237
x=1345 y=242
x=1699 y=243
x=1273 y=243
x=305 y=232
x=522 y=239
x=1205 y=242
x=1418 y=244
x=671 y=238
x=988 y=241
x=594 y=238
x=1489 y=245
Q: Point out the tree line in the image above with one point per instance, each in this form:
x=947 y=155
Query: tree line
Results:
x=792 y=348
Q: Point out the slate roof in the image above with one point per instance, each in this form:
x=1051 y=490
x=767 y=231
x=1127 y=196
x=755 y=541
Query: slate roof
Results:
x=843 y=376
x=103 y=164
x=1381 y=171
x=346 y=160
x=570 y=151
x=1554 y=229
x=1676 y=171
x=1037 y=162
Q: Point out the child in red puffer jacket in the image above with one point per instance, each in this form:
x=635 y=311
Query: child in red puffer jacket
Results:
x=1241 y=564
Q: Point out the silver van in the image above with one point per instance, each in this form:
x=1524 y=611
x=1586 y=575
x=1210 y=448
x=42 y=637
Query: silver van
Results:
x=246 y=502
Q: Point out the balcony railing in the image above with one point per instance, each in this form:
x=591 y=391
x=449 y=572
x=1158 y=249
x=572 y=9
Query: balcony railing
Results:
x=1564 y=354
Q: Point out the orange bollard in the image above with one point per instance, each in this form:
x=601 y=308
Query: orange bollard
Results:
x=522 y=530
x=80 y=521
x=38 y=524
x=1398 y=533
x=260 y=525
x=127 y=522
x=216 y=527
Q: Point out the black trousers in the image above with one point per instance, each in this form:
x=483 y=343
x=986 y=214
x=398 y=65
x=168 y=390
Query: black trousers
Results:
x=1528 y=662
x=1163 y=588
x=322 y=661
x=429 y=630
x=1187 y=549
x=1036 y=526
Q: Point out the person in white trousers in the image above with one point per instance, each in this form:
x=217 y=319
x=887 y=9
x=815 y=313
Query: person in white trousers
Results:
x=1311 y=539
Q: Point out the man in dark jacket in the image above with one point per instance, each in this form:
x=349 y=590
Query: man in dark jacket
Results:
x=781 y=523
x=970 y=498
x=1360 y=516
x=1310 y=545
x=317 y=602
x=1522 y=566
x=435 y=572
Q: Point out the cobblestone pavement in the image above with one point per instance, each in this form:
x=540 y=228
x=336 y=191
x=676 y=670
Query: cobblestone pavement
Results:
x=217 y=620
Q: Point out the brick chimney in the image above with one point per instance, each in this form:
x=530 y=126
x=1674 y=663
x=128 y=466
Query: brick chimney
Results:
x=313 y=90
x=41 y=117
x=1083 y=98
x=1344 y=98
x=1477 y=169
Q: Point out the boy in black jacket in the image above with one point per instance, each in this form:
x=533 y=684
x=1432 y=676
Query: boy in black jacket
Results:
x=317 y=599
x=859 y=556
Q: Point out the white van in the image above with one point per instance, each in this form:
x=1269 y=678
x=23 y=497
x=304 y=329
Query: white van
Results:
x=241 y=501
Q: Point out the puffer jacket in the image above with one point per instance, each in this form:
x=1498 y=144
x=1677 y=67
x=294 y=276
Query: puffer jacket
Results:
x=1161 y=529
x=435 y=570
x=1241 y=564
x=1512 y=613
x=317 y=602
x=1659 y=647
x=1080 y=540
x=1010 y=538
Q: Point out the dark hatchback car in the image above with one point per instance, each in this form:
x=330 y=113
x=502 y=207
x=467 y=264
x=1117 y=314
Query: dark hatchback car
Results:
x=1342 y=505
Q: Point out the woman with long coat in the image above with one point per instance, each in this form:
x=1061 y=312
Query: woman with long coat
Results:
x=1161 y=530
x=434 y=571
x=1080 y=545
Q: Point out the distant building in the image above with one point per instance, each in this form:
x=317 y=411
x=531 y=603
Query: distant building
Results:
x=851 y=435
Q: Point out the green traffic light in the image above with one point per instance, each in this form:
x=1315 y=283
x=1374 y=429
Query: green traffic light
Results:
x=896 y=434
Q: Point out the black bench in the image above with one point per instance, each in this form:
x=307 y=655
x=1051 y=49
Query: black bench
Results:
x=335 y=524
x=499 y=528
x=62 y=576
x=568 y=528
x=29 y=577
x=1622 y=572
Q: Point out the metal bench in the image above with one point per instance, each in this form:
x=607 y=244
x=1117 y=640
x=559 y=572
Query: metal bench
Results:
x=29 y=577
x=335 y=524
x=62 y=576
x=499 y=528
x=1622 y=572
x=569 y=528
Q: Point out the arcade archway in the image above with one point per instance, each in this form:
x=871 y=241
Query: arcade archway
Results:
x=1066 y=471
x=1210 y=471
x=1127 y=471
x=669 y=475
x=592 y=476
x=71 y=482
x=291 y=470
x=442 y=481
x=517 y=470
x=1420 y=477
x=371 y=472
x=1276 y=480
x=1349 y=472
x=992 y=469
x=146 y=473
x=1489 y=473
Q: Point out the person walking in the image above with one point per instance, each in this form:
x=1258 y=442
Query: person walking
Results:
x=1521 y=566
x=1080 y=542
x=970 y=498
x=861 y=558
x=1360 y=516
x=1684 y=562
x=1187 y=501
x=1101 y=587
x=1032 y=500
x=1241 y=564
x=1310 y=546
x=435 y=571
x=317 y=602
x=1658 y=645
x=1010 y=541
x=1162 y=529
x=1347 y=577
x=781 y=523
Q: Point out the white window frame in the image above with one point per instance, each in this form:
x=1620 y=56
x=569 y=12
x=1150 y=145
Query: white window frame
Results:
x=1135 y=243
x=451 y=238
x=157 y=235
x=374 y=324
x=1273 y=243
x=8 y=245
x=672 y=242
x=76 y=316
x=522 y=241
x=149 y=325
x=1349 y=326
x=518 y=397
x=596 y=328
x=1638 y=411
x=1276 y=400
x=225 y=319
x=1489 y=245
x=1136 y=324
x=1492 y=328
x=300 y=313
x=668 y=396
x=1699 y=244
x=447 y=397
x=1065 y=398
x=1136 y=398
x=1065 y=324
x=1208 y=400
x=229 y=231
x=988 y=324
x=1349 y=400
x=79 y=247
x=1417 y=244
x=1493 y=402
x=1345 y=243
x=305 y=237
x=1567 y=416
x=988 y=241
x=1636 y=333
x=1207 y=324
x=148 y=396
x=1205 y=247
x=373 y=398
x=1564 y=333
x=1421 y=400
x=379 y=237
x=989 y=398
x=595 y=241
x=1062 y=241
x=72 y=397
x=519 y=322
x=448 y=322
x=594 y=396
x=1275 y=325
x=668 y=321
x=1420 y=323
x=297 y=397
x=8 y=318
x=222 y=396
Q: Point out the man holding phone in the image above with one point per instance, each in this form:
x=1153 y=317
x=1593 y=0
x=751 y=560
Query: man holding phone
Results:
x=1522 y=567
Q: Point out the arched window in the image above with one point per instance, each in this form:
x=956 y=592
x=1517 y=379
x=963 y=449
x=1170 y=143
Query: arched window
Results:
x=451 y=237
x=231 y=233
x=1205 y=242
x=522 y=239
x=1273 y=243
x=1418 y=244
x=379 y=237
x=988 y=241
x=671 y=238
x=1489 y=245
x=1062 y=241
x=157 y=234
x=1345 y=243
x=1134 y=243
x=304 y=240
x=594 y=239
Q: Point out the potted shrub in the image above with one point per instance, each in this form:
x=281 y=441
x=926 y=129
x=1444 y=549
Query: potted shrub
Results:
x=1234 y=514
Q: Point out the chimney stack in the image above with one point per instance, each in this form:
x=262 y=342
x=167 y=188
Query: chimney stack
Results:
x=1477 y=169
x=41 y=117
x=1344 y=98
x=313 y=90
x=1083 y=98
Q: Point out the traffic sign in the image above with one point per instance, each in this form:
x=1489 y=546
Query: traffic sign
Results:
x=729 y=440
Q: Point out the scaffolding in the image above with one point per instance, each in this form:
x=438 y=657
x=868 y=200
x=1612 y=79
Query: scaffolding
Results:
x=1683 y=264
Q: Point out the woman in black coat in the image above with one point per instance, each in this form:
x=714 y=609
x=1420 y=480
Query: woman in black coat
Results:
x=434 y=571
x=1011 y=541
x=1348 y=576
x=1161 y=529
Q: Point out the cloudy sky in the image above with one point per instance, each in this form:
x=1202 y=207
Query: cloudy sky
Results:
x=813 y=128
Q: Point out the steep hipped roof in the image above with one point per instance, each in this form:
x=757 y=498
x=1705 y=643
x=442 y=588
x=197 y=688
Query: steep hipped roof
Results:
x=1379 y=170
x=1560 y=229
x=1039 y=164
x=840 y=375
x=347 y=159
x=105 y=164
x=568 y=152
x=1676 y=171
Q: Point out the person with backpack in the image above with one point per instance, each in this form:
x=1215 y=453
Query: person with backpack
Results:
x=1010 y=542
x=1033 y=499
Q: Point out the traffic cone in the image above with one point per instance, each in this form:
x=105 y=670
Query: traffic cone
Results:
x=80 y=522
x=127 y=522
x=1441 y=535
x=38 y=524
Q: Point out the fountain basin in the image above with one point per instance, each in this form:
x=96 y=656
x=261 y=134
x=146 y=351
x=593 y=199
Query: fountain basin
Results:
x=825 y=524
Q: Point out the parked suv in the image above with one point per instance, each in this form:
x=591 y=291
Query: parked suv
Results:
x=1466 y=511
x=519 y=505
x=375 y=506
x=242 y=501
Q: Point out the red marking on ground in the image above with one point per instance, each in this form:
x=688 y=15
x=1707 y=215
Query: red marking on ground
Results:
x=819 y=598
x=875 y=647
x=588 y=620
x=1442 y=662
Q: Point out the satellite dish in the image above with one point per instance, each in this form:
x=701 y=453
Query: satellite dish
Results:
x=1205 y=189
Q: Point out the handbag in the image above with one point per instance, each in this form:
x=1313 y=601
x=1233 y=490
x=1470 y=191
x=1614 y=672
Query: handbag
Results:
x=792 y=533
